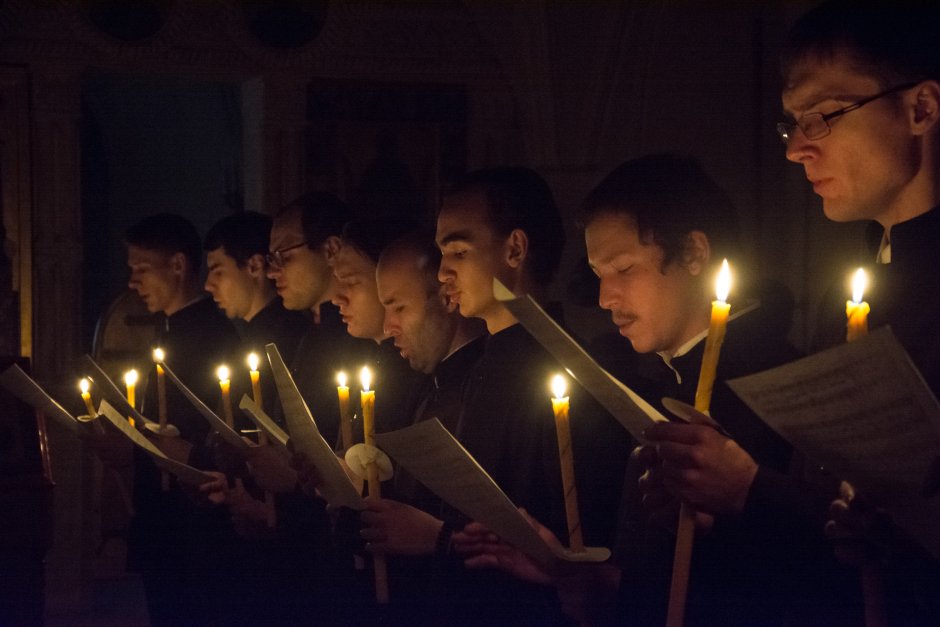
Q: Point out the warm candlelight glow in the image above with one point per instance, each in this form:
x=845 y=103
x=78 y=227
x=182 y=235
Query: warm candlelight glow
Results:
x=84 y=386
x=253 y=361
x=341 y=379
x=723 y=284
x=365 y=377
x=559 y=386
x=130 y=377
x=158 y=356
x=223 y=373
x=859 y=283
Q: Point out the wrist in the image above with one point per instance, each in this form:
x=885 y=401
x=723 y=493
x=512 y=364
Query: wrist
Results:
x=443 y=542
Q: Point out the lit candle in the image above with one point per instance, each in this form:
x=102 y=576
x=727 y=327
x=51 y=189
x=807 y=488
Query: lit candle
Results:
x=225 y=383
x=856 y=310
x=563 y=430
x=84 y=386
x=158 y=357
x=345 y=411
x=130 y=382
x=253 y=362
x=367 y=399
x=685 y=534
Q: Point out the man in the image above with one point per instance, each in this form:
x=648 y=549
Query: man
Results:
x=503 y=223
x=170 y=540
x=862 y=94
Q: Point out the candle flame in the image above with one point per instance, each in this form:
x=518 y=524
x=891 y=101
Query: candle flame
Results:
x=84 y=385
x=723 y=284
x=223 y=373
x=158 y=355
x=253 y=361
x=365 y=377
x=859 y=283
x=559 y=386
x=130 y=377
x=341 y=379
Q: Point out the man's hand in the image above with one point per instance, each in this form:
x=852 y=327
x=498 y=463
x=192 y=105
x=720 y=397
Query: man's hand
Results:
x=861 y=533
x=172 y=446
x=484 y=549
x=271 y=470
x=702 y=467
x=215 y=491
x=395 y=528
x=661 y=504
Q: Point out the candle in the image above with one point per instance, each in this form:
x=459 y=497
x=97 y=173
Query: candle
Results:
x=563 y=429
x=856 y=310
x=225 y=383
x=130 y=382
x=367 y=399
x=84 y=386
x=253 y=362
x=158 y=357
x=345 y=411
x=685 y=534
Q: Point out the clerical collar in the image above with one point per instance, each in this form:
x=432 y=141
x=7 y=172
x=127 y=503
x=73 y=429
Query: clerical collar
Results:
x=884 y=250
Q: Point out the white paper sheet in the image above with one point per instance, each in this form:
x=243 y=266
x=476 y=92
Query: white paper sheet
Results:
x=110 y=391
x=22 y=386
x=337 y=489
x=436 y=459
x=634 y=413
x=228 y=434
x=862 y=411
x=277 y=436
x=184 y=472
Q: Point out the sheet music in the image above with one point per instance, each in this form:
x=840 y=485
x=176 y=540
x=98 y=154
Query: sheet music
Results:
x=337 y=489
x=22 y=386
x=228 y=434
x=277 y=435
x=436 y=459
x=111 y=392
x=863 y=412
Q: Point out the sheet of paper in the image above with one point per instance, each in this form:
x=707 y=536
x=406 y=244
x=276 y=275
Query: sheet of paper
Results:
x=184 y=472
x=862 y=411
x=110 y=391
x=276 y=435
x=22 y=386
x=432 y=455
x=228 y=434
x=337 y=489
x=634 y=413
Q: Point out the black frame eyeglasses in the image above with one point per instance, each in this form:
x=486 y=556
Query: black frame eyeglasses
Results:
x=816 y=125
x=276 y=259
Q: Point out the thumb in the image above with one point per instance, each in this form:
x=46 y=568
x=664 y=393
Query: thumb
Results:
x=689 y=414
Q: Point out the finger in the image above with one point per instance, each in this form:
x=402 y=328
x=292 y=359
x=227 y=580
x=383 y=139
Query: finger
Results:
x=644 y=457
x=846 y=491
x=675 y=432
x=481 y=561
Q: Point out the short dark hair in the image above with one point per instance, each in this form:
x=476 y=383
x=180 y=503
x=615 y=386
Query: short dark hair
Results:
x=167 y=233
x=518 y=198
x=370 y=237
x=894 y=42
x=242 y=235
x=322 y=215
x=669 y=197
x=421 y=245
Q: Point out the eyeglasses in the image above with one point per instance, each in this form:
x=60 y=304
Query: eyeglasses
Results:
x=276 y=258
x=816 y=125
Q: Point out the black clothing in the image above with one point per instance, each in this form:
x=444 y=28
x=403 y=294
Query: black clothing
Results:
x=769 y=565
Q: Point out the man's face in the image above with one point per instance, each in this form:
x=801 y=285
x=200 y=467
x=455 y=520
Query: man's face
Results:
x=656 y=309
x=303 y=278
x=472 y=255
x=863 y=168
x=232 y=288
x=356 y=294
x=154 y=278
x=417 y=319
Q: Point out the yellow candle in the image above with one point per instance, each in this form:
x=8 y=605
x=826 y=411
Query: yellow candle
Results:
x=856 y=310
x=225 y=383
x=367 y=399
x=345 y=411
x=158 y=357
x=716 y=335
x=256 y=390
x=563 y=429
x=130 y=382
x=84 y=386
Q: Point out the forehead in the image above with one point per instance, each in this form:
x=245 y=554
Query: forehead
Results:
x=138 y=255
x=465 y=215
x=814 y=79
x=611 y=235
x=219 y=257
x=350 y=260
x=399 y=278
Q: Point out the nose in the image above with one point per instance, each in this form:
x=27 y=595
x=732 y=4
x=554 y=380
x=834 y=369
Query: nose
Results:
x=390 y=325
x=339 y=298
x=800 y=149
x=444 y=272
x=272 y=271
x=607 y=296
x=132 y=282
x=210 y=286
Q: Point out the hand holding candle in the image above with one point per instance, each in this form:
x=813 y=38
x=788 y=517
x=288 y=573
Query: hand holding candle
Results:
x=856 y=310
x=225 y=384
x=130 y=382
x=560 y=406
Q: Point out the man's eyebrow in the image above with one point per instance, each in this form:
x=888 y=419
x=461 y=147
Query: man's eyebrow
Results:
x=456 y=236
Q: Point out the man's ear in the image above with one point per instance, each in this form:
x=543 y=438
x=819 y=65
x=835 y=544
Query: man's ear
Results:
x=331 y=248
x=696 y=252
x=926 y=109
x=517 y=248
x=255 y=265
x=179 y=264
